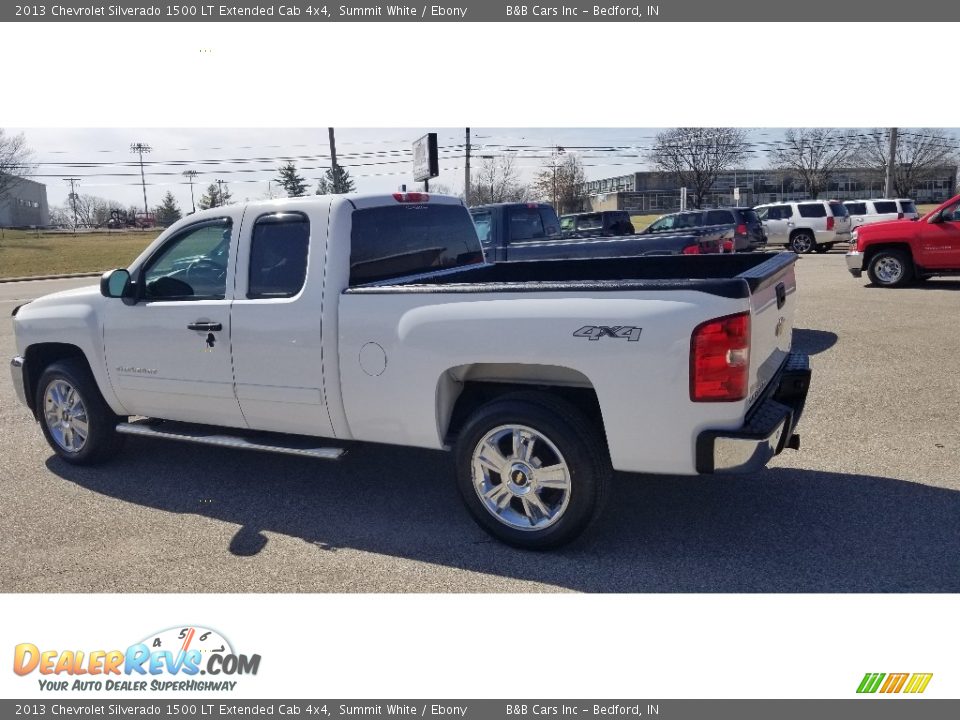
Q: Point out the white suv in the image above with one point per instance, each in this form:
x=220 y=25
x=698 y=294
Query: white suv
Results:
x=864 y=212
x=805 y=225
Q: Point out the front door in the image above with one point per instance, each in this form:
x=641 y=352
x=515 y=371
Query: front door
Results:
x=168 y=355
x=939 y=242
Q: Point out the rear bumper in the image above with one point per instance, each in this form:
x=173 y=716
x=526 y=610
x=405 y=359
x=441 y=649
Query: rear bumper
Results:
x=855 y=263
x=769 y=427
x=17 y=374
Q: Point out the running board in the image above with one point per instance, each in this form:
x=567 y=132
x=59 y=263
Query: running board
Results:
x=203 y=435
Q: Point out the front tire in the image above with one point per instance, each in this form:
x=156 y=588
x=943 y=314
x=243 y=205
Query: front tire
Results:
x=76 y=421
x=802 y=242
x=890 y=268
x=531 y=469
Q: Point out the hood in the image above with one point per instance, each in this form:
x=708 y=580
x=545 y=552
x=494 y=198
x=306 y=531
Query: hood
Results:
x=67 y=297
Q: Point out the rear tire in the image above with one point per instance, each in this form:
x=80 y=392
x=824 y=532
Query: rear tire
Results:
x=76 y=421
x=531 y=469
x=890 y=268
x=802 y=242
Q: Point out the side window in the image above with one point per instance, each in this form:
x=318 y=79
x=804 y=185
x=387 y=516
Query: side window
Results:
x=689 y=220
x=786 y=212
x=812 y=210
x=192 y=265
x=551 y=225
x=278 y=255
x=885 y=206
x=483 y=222
x=856 y=208
x=664 y=223
x=525 y=224
x=718 y=217
x=765 y=214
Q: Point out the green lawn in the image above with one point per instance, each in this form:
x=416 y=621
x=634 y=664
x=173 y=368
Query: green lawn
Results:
x=25 y=253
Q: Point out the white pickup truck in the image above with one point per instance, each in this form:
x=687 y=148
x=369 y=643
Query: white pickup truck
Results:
x=272 y=325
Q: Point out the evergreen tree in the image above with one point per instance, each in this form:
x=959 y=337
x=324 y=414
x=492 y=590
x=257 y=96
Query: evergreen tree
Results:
x=295 y=185
x=214 y=198
x=167 y=212
x=323 y=187
x=340 y=180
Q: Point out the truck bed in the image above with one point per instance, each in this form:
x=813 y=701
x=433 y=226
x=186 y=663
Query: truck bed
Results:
x=731 y=276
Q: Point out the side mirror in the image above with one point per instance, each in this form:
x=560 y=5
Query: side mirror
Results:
x=115 y=283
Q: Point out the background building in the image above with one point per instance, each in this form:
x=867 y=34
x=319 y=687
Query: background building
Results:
x=25 y=205
x=652 y=191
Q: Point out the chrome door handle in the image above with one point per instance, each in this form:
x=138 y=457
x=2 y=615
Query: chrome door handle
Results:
x=205 y=326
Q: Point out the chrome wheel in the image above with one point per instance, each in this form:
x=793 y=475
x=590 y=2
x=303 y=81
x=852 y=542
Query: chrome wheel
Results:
x=888 y=269
x=801 y=243
x=521 y=477
x=65 y=416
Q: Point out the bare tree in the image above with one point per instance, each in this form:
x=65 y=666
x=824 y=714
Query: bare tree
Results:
x=15 y=160
x=815 y=155
x=920 y=152
x=697 y=156
x=496 y=181
x=562 y=181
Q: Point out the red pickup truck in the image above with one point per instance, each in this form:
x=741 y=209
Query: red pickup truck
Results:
x=899 y=252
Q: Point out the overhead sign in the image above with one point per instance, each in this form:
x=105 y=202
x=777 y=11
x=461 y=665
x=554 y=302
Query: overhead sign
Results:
x=426 y=161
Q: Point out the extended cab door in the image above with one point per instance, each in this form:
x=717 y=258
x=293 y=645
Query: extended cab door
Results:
x=938 y=239
x=527 y=227
x=168 y=349
x=277 y=329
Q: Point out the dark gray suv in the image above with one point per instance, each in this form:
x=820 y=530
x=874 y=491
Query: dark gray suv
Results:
x=747 y=229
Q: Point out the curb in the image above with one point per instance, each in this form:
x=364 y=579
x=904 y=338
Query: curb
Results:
x=65 y=276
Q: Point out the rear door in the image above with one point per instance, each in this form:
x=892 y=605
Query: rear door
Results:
x=885 y=210
x=841 y=220
x=858 y=213
x=775 y=220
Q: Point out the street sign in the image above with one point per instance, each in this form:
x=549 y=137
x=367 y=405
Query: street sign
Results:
x=426 y=161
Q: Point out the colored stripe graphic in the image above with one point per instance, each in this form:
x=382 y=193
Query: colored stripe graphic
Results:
x=894 y=683
x=918 y=683
x=870 y=682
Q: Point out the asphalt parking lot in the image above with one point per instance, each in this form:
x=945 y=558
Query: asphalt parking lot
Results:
x=870 y=503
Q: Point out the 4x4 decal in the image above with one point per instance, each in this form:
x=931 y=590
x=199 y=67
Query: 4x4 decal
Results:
x=595 y=332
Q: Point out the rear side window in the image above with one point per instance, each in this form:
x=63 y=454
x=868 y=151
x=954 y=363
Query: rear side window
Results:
x=779 y=212
x=405 y=239
x=749 y=216
x=885 y=206
x=718 y=217
x=278 y=255
x=594 y=221
x=855 y=208
x=907 y=206
x=525 y=224
x=551 y=224
x=688 y=220
x=812 y=210
x=839 y=209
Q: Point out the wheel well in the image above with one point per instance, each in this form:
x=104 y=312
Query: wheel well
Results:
x=39 y=357
x=477 y=393
x=874 y=249
x=808 y=231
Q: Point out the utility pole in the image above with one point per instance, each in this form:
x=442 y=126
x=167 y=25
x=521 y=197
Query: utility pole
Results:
x=891 y=163
x=190 y=175
x=466 y=172
x=219 y=193
x=140 y=149
x=334 y=173
x=73 y=199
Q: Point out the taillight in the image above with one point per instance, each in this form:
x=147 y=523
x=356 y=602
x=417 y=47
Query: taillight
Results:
x=726 y=246
x=411 y=197
x=830 y=222
x=741 y=229
x=720 y=359
x=691 y=250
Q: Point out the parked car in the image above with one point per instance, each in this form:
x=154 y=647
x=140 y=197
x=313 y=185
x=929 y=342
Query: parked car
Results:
x=899 y=252
x=524 y=231
x=748 y=231
x=606 y=223
x=807 y=225
x=865 y=212
x=335 y=319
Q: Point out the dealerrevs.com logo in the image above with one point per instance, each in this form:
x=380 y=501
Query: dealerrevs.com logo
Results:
x=172 y=659
x=910 y=683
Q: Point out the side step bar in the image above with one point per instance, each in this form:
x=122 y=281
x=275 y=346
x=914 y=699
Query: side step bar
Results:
x=203 y=435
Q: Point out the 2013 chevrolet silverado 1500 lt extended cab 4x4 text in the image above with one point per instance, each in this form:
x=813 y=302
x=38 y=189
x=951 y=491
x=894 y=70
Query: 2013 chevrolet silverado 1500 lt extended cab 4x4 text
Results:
x=374 y=318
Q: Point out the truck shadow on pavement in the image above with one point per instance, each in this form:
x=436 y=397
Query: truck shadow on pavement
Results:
x=813 y=342
x=781 y=530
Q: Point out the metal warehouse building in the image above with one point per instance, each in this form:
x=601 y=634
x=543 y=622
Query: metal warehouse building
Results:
x=651 y=191
x=24 y=205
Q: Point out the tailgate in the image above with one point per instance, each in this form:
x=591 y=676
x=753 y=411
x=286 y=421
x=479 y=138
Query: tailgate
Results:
x=773 y=286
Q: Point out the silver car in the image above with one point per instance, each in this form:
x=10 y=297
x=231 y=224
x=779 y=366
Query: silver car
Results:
x=805 y=225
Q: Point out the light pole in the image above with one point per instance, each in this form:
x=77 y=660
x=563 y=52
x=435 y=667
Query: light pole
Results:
x=140 y=149
x=190 y=175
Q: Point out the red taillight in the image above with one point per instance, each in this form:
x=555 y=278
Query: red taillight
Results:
x=411 y=197
x=741 y=229
x=691 y=250
x=726 y=246
x=720 y=359
x=830 y=222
